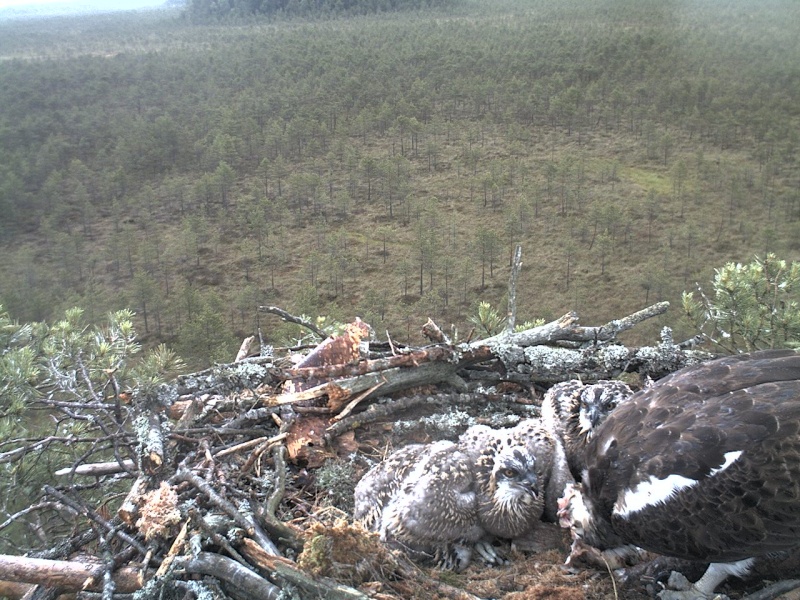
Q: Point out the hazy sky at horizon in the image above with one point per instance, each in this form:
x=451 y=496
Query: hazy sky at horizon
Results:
x=107 y=4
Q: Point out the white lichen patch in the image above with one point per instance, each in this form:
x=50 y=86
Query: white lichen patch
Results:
x=251 y=373
x=614 y=357
x=452 y=421
x=509 y=354
x=545 y=360
x=166 y=394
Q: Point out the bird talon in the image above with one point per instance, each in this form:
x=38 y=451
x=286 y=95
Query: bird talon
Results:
x=678 y=582
x=489 y=554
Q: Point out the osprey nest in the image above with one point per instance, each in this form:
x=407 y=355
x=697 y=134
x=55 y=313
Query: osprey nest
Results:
x=239 y=481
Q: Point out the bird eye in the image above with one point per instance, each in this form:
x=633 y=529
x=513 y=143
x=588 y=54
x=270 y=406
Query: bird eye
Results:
x=510 y=472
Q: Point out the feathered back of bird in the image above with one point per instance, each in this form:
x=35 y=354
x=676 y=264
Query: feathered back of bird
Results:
x=713 y=448
x=381 y=483
x=436 y=503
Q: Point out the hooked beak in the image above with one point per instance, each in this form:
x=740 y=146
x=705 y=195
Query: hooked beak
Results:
x=590 y=417
x=531 y=482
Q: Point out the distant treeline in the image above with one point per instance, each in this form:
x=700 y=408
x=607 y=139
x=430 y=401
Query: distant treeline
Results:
x=211 y=9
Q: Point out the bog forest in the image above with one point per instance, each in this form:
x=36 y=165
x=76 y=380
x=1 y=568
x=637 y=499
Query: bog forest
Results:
x=384 y=160
x=175 y=181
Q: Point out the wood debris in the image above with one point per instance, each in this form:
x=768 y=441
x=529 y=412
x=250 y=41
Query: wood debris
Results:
x=211 y=492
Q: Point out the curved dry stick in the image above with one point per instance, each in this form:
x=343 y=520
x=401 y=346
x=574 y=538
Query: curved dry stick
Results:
x=244 y=583
x=293 y=319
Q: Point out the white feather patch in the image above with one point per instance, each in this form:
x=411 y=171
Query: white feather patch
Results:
x=607 y=445
x=650 y=493
x=730 y=458
x=656 y=491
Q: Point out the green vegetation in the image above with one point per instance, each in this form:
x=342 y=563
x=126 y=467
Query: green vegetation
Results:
x=69 y=393
x=386 y=165
x=752 y=307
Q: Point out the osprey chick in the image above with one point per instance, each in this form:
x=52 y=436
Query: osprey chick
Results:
x=442 y=501
x=574 y=410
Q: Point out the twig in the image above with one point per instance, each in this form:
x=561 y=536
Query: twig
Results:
x=775 y=590
x=256 y=454
x=174 y=550
x=249 y=444
x=215 y=537
x=391 y=344
x=244 y=349
x=278 y=456
x=36 y=446
x=268 y=513
x=516 y=266
x=93 y=516
x=251 y=527
x=611 y=574
x=355 y=402
x=33 y=508
x=293 y=319
x=245 y=583
x=109 y=586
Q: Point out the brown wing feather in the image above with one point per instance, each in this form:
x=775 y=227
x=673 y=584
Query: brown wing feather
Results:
x=743 y=409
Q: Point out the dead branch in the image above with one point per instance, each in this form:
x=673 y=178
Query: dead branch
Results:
x=293 y=319
x=559 y=329
x=284 y=569
x=69 y=575
x=243 y=583
x=567 y=329
x=389 y=380
x=409 y=359
x=245 y=522
x=244 y=349
x=516 y=267
x=610 y=330
x=547 y=364
x=98 y=469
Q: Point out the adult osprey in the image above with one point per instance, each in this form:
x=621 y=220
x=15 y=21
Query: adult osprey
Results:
x=704 y=465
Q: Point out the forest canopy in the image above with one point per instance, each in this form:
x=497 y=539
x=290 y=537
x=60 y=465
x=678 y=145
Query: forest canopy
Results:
x=386 y=165
x=204 y=9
